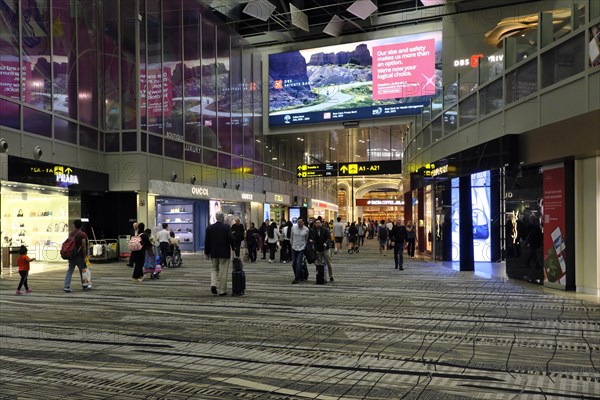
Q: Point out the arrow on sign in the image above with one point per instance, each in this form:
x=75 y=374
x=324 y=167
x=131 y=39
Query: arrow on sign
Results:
x=343 y=169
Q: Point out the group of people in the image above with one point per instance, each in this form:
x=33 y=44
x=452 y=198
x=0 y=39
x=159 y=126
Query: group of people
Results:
x=144 y=259
x=221 y=239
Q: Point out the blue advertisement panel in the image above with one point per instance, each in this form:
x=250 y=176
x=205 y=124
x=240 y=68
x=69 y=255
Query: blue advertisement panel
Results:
x=455 y=220
x=480 y=198
x=362 y=80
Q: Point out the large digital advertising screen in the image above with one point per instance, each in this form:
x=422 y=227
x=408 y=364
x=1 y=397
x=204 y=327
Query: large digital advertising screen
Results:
x=379 y=78
x=480 y=209
x=480 y=199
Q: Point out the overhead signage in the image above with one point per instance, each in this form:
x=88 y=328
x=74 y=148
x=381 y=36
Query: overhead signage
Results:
x=316 y=170
x=349 y=169
x=43 y=173
x=433 y=170
x=379 y=202
x=247 y=196
x=370 y=168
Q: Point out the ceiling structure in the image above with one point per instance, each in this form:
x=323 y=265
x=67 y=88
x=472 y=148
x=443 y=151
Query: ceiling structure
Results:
x=266 y=23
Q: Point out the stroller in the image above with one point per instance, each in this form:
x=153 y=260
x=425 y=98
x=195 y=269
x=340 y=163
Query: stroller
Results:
x=174 y=259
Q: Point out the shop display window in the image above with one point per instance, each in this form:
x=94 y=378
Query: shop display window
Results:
x=34 y=216
x=179 y=214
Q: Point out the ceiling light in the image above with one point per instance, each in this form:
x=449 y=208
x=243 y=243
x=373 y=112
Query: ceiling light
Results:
x=362 y=9
x=259 y=9
x=334 y=27
x=274 y=158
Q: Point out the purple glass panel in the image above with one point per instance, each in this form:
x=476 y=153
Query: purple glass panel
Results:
x=111 y=107
x=87 y=43
x=111 y=141
x=172 y=70
x=64 y=59
x=174 y=149
x=10 y=79
x=88 y=137
x=224 y=161
x=192 y=73
x=35 y=28
x=65 y=130
x=129 y=141
x=37 y=122
x=209 y=157
x=153 y=81
x=155 y=145
x=209 y=84
x=129 y=85
x=9 y=114
x=223 y=91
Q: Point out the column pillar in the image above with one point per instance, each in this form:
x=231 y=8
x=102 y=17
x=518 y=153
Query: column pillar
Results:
x=467 y=259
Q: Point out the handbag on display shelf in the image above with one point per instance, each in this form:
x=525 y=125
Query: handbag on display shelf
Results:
x=20 y=212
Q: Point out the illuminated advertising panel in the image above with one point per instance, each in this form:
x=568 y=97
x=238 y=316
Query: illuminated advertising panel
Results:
x=361 y=80
x=480 y=199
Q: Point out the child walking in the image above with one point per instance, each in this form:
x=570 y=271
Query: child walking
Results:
x=23 y=262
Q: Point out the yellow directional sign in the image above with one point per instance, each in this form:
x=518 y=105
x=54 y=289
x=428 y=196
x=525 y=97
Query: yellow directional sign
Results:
x=370 y=168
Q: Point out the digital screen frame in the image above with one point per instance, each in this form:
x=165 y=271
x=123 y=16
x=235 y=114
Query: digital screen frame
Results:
x=370 y=79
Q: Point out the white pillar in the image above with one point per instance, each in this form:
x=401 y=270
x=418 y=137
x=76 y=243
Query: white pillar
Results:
x=587 y=225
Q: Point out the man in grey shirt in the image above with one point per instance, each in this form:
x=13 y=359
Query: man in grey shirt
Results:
x=338 y=234
x=298 y=238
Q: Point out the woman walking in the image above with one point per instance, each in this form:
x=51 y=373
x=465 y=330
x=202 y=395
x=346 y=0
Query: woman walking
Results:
x=272 y=238
x=411 y=237
x=139 y=256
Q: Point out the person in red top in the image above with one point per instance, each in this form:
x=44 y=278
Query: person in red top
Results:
x=23 y=262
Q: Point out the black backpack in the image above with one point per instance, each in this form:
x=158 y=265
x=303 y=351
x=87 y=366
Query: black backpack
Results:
x=310 y=253
x=383 y=233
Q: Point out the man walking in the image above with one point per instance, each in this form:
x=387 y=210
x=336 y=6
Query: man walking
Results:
x=78 y=259
x=397 y=238
x=382 y=237
x=218 y=245
x=319 y=236
x=238 y=231
x=338 y=234
x=163 y=244
x=299 y=237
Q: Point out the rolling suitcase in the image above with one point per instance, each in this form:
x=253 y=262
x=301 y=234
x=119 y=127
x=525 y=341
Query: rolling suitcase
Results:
x=238 y=278
x=320 y=274
x=304 y=270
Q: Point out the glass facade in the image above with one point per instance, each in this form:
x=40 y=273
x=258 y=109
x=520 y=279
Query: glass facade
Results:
x=100 y=73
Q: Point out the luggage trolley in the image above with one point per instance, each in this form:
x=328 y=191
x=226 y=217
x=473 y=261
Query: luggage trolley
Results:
x=104 y=250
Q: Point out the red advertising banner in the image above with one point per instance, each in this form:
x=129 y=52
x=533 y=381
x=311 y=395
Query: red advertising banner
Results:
x=404 y=70
x=555 y=268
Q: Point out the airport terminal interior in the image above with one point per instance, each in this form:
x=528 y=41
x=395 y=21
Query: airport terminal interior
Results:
x=451 y=148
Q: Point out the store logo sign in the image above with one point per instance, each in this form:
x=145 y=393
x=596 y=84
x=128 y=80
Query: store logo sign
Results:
x=247 y=196
x=440 y=170
x=67 y=179
x=200 y=191
x=473 y=61
x=278 y=197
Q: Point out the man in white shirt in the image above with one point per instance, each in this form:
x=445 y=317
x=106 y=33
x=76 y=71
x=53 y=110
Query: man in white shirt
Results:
x=338 y=234
x=163 y=244
x=299 y=238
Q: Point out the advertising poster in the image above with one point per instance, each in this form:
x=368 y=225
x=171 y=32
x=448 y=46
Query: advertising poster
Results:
x=455 y=220
x=11 y=80
x=362 y=80
x=156 y=87
x=554 y=226
x=214 y=208
x=480 y=198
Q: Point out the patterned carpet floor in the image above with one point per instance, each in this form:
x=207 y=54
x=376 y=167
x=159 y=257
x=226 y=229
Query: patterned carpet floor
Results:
x=428 y=332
